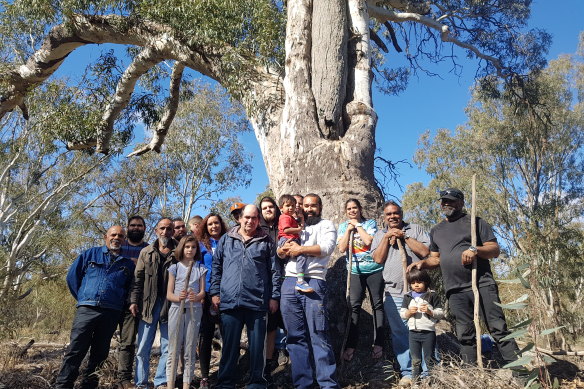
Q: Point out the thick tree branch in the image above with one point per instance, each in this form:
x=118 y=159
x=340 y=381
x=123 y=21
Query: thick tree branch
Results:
x=378 y=41
x=382 y=15
x=139 y=66
x=97 y=29
x=169 y=113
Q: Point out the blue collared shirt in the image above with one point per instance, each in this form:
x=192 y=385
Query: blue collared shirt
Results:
x=100 y=278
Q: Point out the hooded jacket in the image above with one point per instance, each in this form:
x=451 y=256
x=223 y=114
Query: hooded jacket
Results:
x=421 y=321
x=245 y=274
x=149 y=268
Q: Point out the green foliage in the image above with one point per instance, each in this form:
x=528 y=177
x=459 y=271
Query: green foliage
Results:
x=202 y=159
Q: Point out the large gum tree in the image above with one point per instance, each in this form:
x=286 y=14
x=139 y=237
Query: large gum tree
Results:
x=303 y=69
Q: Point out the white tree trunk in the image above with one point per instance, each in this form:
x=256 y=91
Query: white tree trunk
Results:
x=319 y=142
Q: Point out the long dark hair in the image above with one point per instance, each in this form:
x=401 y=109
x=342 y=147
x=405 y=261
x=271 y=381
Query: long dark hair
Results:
x=204 y=236
x=358 y=204
x=179 y=252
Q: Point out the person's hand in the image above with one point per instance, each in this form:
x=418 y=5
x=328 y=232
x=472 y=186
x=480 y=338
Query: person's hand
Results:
x=467 y=257
x=274 y=305
x=216 y=301
x=191 y=296
x=350 y=227
x=413 y=309
x=182 y=295
x=417 y=265
x=134 y=309
x=395 y=232
x=294 y=249
x=284 y=250
x=424 y=308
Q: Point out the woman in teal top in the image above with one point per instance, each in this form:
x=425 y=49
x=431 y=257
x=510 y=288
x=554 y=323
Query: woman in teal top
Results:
x=365 y=273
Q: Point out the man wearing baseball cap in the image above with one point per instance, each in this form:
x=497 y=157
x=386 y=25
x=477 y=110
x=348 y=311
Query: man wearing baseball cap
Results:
x=235 y=210
x=450 y=248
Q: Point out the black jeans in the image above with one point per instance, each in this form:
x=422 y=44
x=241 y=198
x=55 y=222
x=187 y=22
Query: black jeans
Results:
x=462 y=307
x=422 y=341
x=92 y=330
x=207 y=332
x=128 y=330
x=375 y=284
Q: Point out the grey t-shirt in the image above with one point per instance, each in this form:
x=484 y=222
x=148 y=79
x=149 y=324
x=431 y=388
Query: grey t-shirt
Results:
x=393 y=269
x=450 y=239
x=179 y=271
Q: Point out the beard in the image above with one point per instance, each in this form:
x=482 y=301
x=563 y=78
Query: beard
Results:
x=311 y=219
x=163 y=241
x=449 y=211
x=136 y=235
x=115 y=245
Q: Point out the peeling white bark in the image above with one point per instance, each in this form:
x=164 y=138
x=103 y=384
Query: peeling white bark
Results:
x=361 y=43
x=143 y=62
x=167 y=117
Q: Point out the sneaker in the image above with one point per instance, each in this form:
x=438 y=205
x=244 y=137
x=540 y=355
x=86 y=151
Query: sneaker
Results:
x=204 y=384
x=303 y=287
x=405 y=382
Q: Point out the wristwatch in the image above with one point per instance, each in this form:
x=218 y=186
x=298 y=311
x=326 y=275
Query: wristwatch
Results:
x=473 y=249
x=358 y=225
x=406 y=236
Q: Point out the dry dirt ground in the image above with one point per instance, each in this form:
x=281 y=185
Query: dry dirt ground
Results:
x=38 y=366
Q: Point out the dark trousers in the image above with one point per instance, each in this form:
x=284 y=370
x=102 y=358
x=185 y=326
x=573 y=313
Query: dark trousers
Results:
x=374 y=284
x=128 y=330
x=92 y=330
x=232 y=322
x=207 y=332
x=461 y=306
x=422 y=341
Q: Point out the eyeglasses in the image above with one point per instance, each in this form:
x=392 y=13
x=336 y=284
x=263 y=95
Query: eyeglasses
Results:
x=453 y=193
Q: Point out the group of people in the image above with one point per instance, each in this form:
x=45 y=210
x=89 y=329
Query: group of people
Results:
x=269 y=271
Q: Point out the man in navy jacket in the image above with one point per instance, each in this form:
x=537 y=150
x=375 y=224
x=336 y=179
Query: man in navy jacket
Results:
x=245 y=284
x=99 y=280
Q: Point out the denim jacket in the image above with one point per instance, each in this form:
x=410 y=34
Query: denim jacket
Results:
x=97 y=278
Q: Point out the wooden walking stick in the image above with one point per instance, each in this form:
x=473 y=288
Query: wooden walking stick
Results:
x=347 y=296
x=404 y=259
x=181 y=309
x=475 y=288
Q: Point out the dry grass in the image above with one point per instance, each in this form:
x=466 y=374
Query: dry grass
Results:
x=38 y=368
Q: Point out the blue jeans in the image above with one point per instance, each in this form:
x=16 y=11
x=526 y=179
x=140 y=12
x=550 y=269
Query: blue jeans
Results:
x=232 y=321
x=146 y=334
x=307 y=341
x=399 y=333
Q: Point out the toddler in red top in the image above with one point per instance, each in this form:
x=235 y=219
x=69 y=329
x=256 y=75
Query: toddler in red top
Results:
x=288 y=229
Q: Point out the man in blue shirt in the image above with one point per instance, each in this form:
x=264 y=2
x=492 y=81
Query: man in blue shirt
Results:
x=99 y=280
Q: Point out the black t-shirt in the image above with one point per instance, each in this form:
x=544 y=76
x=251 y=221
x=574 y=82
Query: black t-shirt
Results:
x=450 y=239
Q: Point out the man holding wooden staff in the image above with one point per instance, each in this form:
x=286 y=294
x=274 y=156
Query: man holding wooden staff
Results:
x=451 y=249
x=396 y=246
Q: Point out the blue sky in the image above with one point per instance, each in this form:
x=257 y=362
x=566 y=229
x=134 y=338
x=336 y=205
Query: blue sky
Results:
x=429 y=103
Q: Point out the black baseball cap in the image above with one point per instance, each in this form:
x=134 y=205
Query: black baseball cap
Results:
x=451 y=194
